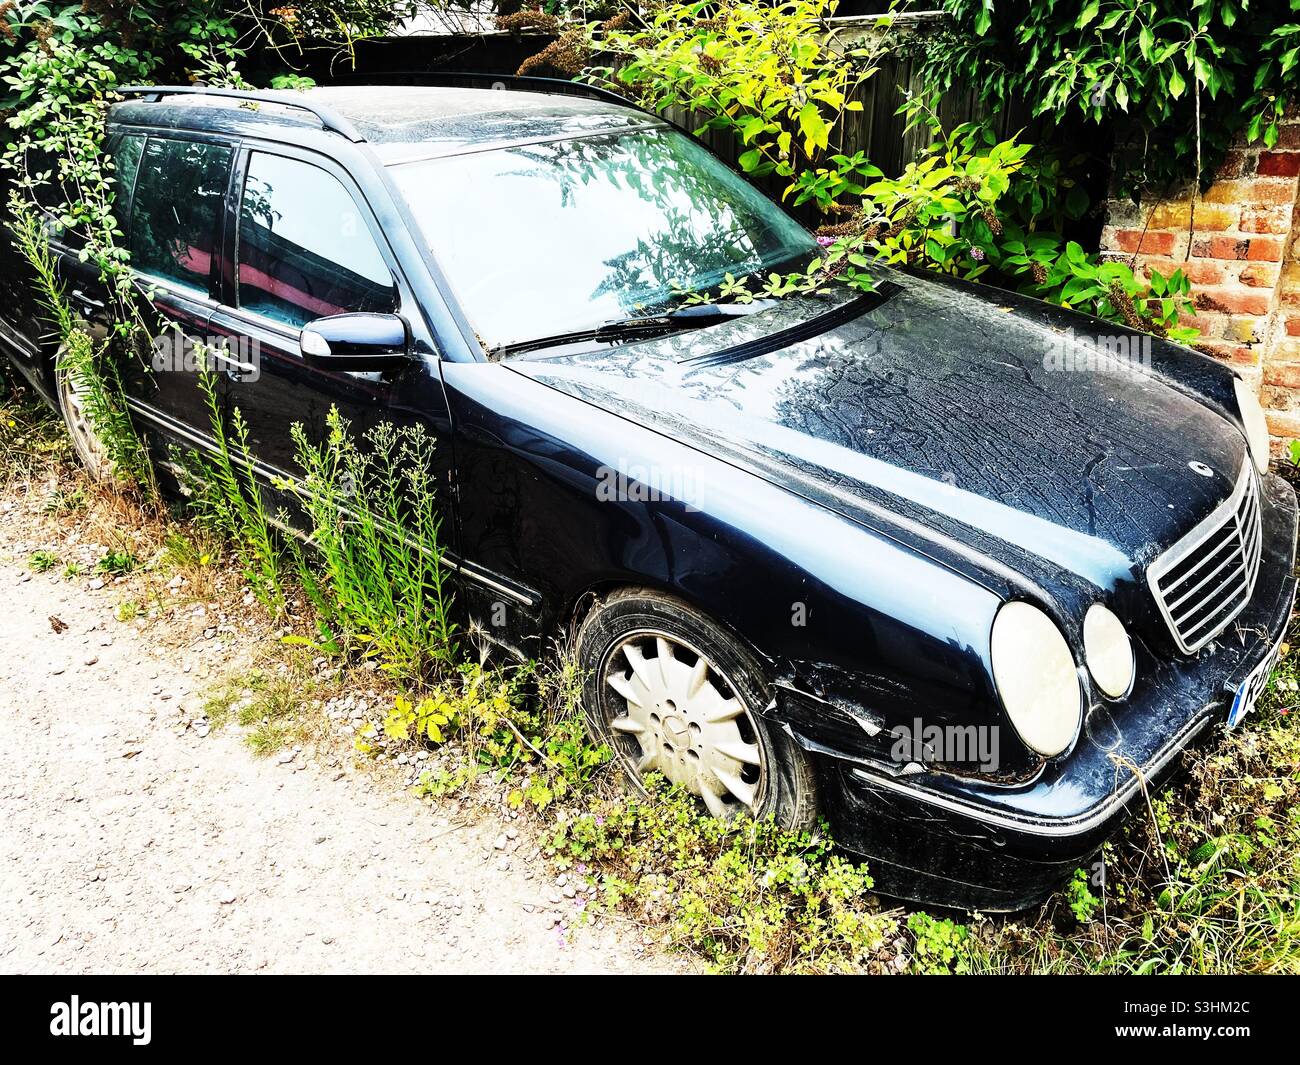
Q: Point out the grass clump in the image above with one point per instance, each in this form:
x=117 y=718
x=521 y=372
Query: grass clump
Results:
x=30 y=437
x=42 y=561
x=371 y=509
x=272 y=703
x=1208 y=881
x=117 y=563
x=228 y=502
x=743 y=894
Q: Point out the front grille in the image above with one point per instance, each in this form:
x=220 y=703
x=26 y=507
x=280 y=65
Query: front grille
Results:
x=1206 y=579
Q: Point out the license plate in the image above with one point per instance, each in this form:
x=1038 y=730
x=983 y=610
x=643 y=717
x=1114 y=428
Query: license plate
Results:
x=1250 y=689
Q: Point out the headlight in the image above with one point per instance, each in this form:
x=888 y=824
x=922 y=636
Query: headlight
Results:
x=1036 y=678
x=1108 y=652
x=1252 y=417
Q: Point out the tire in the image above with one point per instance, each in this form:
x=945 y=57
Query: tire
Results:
x=695 y=720
x=90 y=450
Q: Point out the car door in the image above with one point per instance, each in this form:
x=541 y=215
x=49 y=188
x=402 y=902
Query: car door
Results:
x=304 y=245
x=174 y=216
x=24 y=322
x=24 y=325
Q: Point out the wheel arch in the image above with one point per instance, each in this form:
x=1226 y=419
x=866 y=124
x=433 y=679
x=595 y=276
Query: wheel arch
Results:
x=580 y=606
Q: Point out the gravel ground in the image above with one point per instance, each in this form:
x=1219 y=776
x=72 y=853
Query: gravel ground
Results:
x=133 y=842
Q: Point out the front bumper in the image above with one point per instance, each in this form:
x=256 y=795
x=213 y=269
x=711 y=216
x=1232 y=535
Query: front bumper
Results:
x=943 y=839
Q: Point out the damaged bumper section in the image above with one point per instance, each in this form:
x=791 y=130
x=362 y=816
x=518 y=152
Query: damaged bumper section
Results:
x=937 y=837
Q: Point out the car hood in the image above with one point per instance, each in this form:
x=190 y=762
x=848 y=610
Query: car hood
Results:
x=983 y=417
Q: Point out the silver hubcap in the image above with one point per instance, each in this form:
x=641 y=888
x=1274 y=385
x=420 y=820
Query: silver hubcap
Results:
x=681 y=718
x=79 y=427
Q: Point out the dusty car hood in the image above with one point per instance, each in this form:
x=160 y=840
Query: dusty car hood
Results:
x=936 y=404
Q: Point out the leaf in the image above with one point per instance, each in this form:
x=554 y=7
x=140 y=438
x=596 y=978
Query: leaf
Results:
x=750 y=127
x=813 y=127
x=1088 y=13
x=1146 y=41
x=749 y=160
x=1176 y=85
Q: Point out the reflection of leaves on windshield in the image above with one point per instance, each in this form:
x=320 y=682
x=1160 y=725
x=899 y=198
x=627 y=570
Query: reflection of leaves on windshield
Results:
x=703 y=228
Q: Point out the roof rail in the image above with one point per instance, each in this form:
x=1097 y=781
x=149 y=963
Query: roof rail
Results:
x=480 y=80
x=330 y=119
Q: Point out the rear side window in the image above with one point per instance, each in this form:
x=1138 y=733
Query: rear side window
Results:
x=178 y=196
x=304 y=249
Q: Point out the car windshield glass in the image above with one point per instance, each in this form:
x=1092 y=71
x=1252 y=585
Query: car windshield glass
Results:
x=544 y=239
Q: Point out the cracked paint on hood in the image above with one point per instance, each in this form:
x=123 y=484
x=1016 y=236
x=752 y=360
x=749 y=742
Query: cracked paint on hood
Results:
x=941 y=407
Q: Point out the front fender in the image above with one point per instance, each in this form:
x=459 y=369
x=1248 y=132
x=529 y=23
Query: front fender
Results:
x=861 y=633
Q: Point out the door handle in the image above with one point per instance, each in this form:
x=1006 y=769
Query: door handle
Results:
x=231 y=367
x=87 y=300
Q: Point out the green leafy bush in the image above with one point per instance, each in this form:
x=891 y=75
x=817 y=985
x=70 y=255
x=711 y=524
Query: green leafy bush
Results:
x=1180 y=78
x=1078 y=893
x=939 y=945
x=949 y=211
x=767 y=72
x=969 y=205
x=522 y=723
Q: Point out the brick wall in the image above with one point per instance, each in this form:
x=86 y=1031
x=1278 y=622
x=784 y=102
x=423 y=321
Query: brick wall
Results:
x=1240 y=249
x=1281 y=392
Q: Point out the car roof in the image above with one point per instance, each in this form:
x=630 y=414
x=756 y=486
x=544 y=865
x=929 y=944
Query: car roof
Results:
x=401 y=123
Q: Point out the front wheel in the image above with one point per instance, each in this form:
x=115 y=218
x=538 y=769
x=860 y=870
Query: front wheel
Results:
x=671 y=692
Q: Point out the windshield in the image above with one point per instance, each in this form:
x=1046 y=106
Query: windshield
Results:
x=543 y=239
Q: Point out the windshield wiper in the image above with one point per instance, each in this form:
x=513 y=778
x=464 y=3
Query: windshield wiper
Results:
x=694 y=316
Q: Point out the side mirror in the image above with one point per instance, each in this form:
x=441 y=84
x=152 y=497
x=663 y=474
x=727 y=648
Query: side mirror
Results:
x=367 y=342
